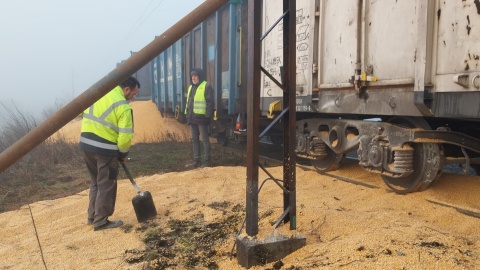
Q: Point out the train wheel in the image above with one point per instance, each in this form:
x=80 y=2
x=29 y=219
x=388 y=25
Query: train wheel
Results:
x=428 y=161
x=330 y=162
x=222 y=138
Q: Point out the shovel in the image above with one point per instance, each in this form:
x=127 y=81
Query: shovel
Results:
x=142 y=202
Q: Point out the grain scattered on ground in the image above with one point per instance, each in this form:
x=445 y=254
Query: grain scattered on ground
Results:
x=347 y=226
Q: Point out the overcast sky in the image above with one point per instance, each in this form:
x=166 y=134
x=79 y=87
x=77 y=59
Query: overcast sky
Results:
x=53 y=50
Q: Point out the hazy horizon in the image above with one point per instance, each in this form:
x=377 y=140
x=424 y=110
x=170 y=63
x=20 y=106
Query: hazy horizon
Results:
x=54 y=50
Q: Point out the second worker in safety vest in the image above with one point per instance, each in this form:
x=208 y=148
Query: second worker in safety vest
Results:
x=199 y=111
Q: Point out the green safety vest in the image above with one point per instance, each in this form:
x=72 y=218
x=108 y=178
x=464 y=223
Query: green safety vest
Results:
x=199 y=101
x=110 y=118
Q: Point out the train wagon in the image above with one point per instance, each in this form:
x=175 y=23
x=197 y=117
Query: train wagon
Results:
x=218 y=46
x=397 y=82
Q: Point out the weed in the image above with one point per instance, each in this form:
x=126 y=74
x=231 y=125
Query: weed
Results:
x=190 y=243
x=266 y=214
x=238 y=208
x=72 y=247
x=127 y=228
x=223 y=204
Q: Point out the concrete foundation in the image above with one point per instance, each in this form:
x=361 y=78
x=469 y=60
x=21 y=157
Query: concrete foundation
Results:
x=252 y=252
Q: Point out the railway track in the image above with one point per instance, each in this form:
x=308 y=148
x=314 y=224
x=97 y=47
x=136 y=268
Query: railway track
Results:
x=272 y=158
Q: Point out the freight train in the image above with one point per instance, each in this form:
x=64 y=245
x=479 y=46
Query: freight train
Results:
x=396 y=82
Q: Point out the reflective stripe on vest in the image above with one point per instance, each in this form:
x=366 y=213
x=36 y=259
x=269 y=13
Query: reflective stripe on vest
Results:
x=199 y=101
x=101 y=120
x=99 y=144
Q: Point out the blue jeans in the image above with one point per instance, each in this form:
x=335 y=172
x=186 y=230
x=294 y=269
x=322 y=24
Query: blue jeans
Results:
x=197 y=132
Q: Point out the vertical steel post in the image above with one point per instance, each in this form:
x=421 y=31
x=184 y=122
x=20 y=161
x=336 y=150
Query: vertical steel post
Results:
x=253 y=113
x=104 y=85
x=289 y=101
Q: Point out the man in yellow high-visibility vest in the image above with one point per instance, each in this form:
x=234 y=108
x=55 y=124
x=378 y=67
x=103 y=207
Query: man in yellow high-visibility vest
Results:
x=107 y=132
x=199 y=111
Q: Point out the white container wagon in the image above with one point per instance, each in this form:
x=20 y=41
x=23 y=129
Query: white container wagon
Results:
x=396 y=80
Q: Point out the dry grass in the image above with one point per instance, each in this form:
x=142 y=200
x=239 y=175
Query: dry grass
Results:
x=56 y=169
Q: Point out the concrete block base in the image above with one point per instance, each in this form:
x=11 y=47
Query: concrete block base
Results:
x=252 y=252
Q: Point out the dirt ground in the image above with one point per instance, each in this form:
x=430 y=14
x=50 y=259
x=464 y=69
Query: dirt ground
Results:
x=347 y=226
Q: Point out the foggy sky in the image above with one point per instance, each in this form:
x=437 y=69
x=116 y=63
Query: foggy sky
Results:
x=53 y=50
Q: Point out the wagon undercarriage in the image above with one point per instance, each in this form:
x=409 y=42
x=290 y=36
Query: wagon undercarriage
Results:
x=408 y=155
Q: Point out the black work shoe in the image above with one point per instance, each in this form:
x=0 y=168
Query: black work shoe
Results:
x=193 y=165
x=109 y=224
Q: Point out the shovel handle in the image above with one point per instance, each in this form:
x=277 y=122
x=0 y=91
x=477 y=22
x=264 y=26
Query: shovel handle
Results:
x=137 y=189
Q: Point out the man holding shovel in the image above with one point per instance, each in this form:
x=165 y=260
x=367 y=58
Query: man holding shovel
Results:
x=107 y=132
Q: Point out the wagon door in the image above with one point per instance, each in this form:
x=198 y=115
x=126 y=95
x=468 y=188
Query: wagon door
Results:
x=457 y=59
x=367 y=56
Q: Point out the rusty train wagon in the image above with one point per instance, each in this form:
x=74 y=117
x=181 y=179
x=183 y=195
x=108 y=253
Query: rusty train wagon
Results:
x=396 y=81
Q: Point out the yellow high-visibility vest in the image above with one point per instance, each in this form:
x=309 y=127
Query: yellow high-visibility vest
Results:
x=199 y=101
x=111 y=119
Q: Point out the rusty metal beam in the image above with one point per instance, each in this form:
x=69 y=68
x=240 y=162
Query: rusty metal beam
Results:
x=253 y=113
x=112 y=79
x=289 y=101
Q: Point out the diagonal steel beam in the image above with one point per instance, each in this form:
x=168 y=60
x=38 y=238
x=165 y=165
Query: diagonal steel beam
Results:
x=112 y=79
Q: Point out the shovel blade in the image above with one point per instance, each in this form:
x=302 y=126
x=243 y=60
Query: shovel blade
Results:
x=144 y=206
